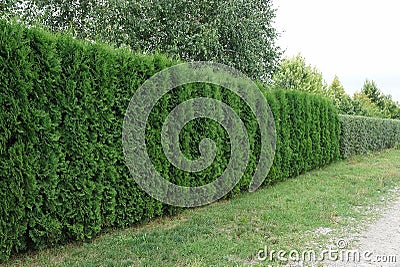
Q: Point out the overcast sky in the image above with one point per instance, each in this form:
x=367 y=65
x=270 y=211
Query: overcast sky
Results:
x=354 y=39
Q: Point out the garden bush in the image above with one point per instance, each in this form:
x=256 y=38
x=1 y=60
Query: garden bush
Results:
x=360 y=135
x=63 y=176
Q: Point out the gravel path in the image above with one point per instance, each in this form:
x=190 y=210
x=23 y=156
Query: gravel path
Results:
x=379 y=245
x=383 y=239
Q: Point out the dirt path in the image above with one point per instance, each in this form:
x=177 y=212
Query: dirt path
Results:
x=379 y=245
x=382 y=239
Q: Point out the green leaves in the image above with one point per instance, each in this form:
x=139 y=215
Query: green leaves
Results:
x=308 y=133
x=295 y=74
x=237 y=33
x=63 y=174
x=383 y=104
x=361 y=135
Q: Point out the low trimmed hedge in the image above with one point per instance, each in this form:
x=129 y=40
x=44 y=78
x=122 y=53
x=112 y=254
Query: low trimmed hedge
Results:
x=62 y=104
x=360 y=135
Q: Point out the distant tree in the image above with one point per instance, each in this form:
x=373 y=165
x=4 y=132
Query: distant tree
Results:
x=238 y=33
x=390 y=108
x=341 y=100
x=295 y=74
x=370 y=89
x=363 y=106
x=387 y=106
x=336 y=89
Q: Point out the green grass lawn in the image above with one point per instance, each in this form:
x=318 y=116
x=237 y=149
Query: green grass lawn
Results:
x=231 y=232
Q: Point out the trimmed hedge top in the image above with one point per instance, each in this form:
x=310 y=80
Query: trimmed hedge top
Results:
x=364 y=134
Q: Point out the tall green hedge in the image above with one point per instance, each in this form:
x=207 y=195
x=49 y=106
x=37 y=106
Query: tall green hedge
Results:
x=361 y=135
x=63 y=175
x=308 y=133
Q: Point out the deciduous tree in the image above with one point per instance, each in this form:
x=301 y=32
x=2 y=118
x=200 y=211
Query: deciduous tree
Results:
x=295 y=74
x=238 y=33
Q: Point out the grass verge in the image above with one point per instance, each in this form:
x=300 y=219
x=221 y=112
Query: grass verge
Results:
x=287 y=216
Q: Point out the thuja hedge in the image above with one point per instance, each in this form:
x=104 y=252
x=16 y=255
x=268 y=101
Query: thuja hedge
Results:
x=308 y=133
x=360 y=135
x=63 y=175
